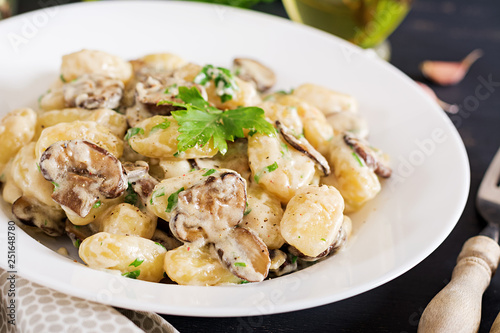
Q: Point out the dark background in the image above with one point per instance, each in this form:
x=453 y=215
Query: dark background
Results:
x=437 y=30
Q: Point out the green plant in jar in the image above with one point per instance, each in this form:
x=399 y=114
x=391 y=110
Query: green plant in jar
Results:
x=366 y=23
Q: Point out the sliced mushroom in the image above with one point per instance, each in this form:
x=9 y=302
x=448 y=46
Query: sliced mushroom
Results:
x=77 y=232
x=81 y=173
x=278 y=258
x=208 y=209
x=253 y=71
x=138 y=175
x=338 y=243
x=244 y=254
x=304 y=147
x=34 y=213
x=166 y=239
x=93 y=91
x=288 y=265
x=371 y=158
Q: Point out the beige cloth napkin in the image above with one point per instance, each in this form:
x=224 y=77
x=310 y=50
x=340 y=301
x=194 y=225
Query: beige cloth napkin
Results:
x=40 y=309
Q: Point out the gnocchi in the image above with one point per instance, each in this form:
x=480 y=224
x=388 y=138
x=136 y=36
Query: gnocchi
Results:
x=167 y=171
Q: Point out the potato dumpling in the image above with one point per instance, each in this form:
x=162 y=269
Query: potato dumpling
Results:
x=312 y=219
x=195 y=266
x=157 y=137
x=287 y=115
x=175 y=167
x=316 y=128
x=246 y=95
x=80 y=130
x=95 y=62
x=126 y=219
x=278 y=167
x=263 y=216
x=351 y=176
x=28 y=177
x=95 y=213
x=134 y=256
x=10 y=190
x=112 y=120
x=17 y=129
x=326 y=100
x=162 y=61
x=54 y=117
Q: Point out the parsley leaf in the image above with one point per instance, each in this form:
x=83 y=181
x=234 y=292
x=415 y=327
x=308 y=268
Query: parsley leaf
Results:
x=200 y=122
x=240 y=264
x=62 y=78
x=130 y=196
x=164 y=125
x=156 y=195
x=172 y=200
x=137 y=262
x=97 y=204
x=133 y=274
x=133 y=131
x=356 y=157
x=267 y=169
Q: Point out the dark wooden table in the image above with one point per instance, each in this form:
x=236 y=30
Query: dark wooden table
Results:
x=434 y=29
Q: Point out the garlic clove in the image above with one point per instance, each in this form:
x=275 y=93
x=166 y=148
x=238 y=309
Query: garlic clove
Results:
x=448 y=73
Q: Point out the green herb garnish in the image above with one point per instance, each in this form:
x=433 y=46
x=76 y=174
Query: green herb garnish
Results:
x=38 y=167
x=294 y=259
x=160 y=245
x=137 y=262
x=357 y=158
x=247 y=210
x=167 y=91
x=97 y=204
x=164 y=125
x=133 y=274
x=62 y=78
x=224 y=81
x=56 y=185
x=200 y=122
x=209 y=172
x=244 y=282
x=155 y=195
x=284 y=92
x=269 y=168
x=130 y=196
x=240 y=264
x=172 y=200
x=324 y=240
x=76 y=243
x=133 y=131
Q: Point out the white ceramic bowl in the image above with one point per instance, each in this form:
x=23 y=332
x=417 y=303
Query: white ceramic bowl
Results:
x=416 y=210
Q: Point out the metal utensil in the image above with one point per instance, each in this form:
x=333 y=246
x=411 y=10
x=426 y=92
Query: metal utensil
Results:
x=457 y=308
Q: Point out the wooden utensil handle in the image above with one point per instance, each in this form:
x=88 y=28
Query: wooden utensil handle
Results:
x=495 y=328
x=457 y=308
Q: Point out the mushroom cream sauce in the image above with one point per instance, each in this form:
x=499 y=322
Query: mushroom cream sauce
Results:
x=168 y=171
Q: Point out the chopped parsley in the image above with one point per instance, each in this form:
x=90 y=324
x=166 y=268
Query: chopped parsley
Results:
x=284 y=92
x=56 y=185
x=137 y=262
x=357 y=158
x=133 y=131
x=130 y=196
x=167 y=91
x=324 y=240
x=284 y=151
x=244 y=282
x=247 y=210
x=294 y=259
x=38 y=167
x=76 y=243
x=240 y=264
x=200 y=122
x=156 y=195
x=160 y=245
x=97 y=204
x=269 y=168
x=133 y=274
x=164 y=125
x=62 y=78
x=172 y=200
x=209 y=172
x=224 y=81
